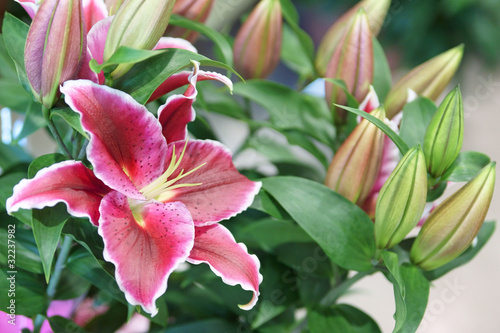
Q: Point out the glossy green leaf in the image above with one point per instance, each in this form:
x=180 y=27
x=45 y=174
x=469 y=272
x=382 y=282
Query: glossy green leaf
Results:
x=289 y=109
x=43 y=162
x=28 y=294
x=417 y=294
x=144 y=77
x=417 y=116
x=47 y=224
x=219 y=40
x=339 y=227
x=14 y=34
x=265 y=203
x=466 y=166
x=123 y=55
x=203 y=326
x=483 y=236
x=61 y=324
x=402 y=146
x=394 y=275
x=342 y=318
x=382 y=79
x=71 y=118
x=214 y=99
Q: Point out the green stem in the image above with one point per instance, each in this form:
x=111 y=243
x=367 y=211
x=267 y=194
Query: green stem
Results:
x=61 y=260
x=54 y=132
x=37 y=323
x=339 y=290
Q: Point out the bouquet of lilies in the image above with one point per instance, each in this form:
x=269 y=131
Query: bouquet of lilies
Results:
x=332 y=178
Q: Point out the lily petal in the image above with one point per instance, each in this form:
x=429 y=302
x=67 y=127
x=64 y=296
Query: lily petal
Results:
x=215 y=245
x=96 y=39
x=94 y=11
x=29 y=6
x=223 y=192
x=69 y=182
x=144 y=252
x=175 y=43
x=126 y=146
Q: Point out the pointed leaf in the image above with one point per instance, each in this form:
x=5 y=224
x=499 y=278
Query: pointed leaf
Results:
x=394 y=275
x=71 y=118
x=382 y=80
x=466 y=166
x=417 y=294
x=342 y=318
x=417 y=116
x=339 y=227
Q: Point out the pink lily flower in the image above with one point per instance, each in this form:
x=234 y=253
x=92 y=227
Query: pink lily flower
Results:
x=93 y=10
x=155 y=197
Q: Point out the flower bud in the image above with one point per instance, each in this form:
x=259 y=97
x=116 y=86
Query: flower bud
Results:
x=196 y=10
x=355 y=167
x=401 y=201
x=453 y=225
x=352 y=62
x=257 y=45
x=444 y=136
x=113 y=6
x=55 y=48
x=376 y=10
x=428 y=80
x=138 y=24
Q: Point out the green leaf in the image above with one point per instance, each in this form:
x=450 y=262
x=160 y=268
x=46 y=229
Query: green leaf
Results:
x=71 y=286
x=203 y=326
x=394 y=275
x=302 y=140
x=71 y=118
x=7 y=184
x=214 y=99
x=47 y=224
x=144 y=77
x=11 y=155
x=351 y=100
x=382 y=79
x=289 y=109
x=123 y=55
x=466 y=166
x=82 y=263
x=294 y=55
x=14 y=34
x=13 y=95
x=43 y=162
x=339 y=227
x=342 y=318
x=29 y=292
x=417 y=116
x=265 y=203
x=61 y=324
x=417 y=294
x=484 y=234
x=219 y=40
x=402 y=146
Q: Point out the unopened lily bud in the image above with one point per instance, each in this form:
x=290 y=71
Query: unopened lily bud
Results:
x=401 y=201
x=196 y=10
x=453 y=225
x=352 y=62
x=428 y=80
x=376 y=11
x=138 y=24
x=355 y=167
x=444 y=136
x=258 y=43
x=113 y=6
x=55 y=48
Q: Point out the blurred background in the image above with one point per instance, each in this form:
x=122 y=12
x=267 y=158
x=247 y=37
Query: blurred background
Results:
x=468 y=299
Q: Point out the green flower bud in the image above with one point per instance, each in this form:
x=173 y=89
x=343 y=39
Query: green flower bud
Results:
x=444 y=136
x=428 y=80
x=453 y=225
x=138 y=24
x=356 y=165
x=401 y=201
x=376 y=10
x=352 y=62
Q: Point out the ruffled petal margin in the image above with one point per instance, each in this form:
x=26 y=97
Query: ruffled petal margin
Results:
x=147 y=251
x=215 y=246
x=70 y=182
x=223 y=192
x=126 y=146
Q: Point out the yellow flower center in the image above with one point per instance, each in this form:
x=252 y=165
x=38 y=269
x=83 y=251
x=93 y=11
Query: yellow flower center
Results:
x=160 y=189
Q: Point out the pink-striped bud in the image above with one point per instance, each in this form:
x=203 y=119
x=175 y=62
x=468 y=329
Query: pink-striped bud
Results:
x=258 y=43
x=428 y=80
x=352 y=62
x=453 y=225
x=55 y=48
x=196 y=10
x=376 y=11
x=355 y=167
